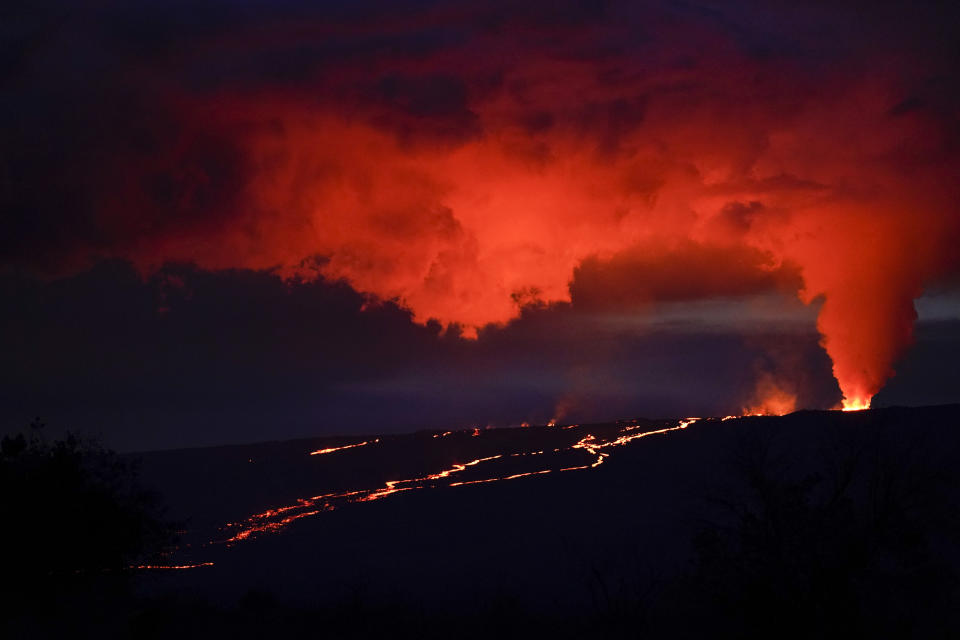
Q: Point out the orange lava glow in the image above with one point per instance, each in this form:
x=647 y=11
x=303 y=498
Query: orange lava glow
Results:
x=771 y=399
x=320 y=452
x=856 y=404
x=172 y=566
x=597 y=449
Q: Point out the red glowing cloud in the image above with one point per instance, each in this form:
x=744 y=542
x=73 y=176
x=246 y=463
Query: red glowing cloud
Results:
x=538 y=163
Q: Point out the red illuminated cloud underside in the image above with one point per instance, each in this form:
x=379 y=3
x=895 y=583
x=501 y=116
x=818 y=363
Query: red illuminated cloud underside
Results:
x=466 y=185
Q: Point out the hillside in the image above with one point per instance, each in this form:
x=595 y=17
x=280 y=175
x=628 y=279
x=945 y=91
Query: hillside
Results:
x=556 y=531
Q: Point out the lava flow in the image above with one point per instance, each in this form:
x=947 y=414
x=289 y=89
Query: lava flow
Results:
x=171 y=567
x=502 y=467
x=320 y=452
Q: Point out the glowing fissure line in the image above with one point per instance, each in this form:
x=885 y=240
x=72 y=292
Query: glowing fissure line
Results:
x=320 y=452
x=466 y=482
x=391 y=485
x=587 y=443
x=272 y=526
x=524 y=475
x=473 y=432
x=261 y=523
x=172 y=566
x=265 y=522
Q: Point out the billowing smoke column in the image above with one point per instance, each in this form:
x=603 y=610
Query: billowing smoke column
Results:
x=614 y=158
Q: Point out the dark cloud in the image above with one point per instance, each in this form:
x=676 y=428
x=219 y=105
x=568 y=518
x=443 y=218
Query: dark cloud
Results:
x=927 y=374
x=646 y=275
x=191 y=356
x=188 y=342
x=433 y=107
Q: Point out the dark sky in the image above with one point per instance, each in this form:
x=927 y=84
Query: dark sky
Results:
x=238 y=221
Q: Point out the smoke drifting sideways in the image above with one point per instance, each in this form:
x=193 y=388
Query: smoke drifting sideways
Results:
x=468 y=162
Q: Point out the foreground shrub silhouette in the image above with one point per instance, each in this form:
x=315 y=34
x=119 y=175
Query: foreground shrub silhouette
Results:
x=863 y=543
x=75 y=522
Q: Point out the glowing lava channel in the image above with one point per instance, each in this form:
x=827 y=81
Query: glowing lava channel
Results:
x=169 y=567
x=276 y=519
x=320 y=452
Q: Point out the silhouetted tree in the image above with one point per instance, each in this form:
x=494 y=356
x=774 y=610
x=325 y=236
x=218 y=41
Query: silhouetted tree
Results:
x=75 y=522
x=861 y=545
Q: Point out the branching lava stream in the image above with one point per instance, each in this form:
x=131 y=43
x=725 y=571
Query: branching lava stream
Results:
x=540 y=463
x=582 y=447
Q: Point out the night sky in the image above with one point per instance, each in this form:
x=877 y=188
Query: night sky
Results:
x=235 y=221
